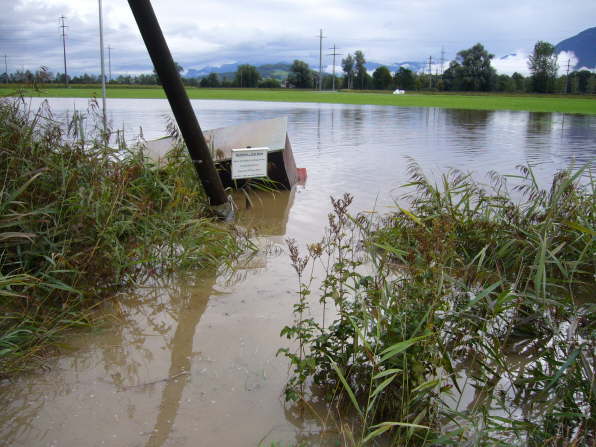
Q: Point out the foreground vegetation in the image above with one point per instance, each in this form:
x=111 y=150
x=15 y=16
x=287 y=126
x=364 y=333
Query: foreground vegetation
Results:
x=79 y=221
x=532 y=103
x=467 y=319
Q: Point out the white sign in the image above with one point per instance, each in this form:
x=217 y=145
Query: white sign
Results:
x=249 y=163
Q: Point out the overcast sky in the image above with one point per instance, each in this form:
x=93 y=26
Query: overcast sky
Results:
x=214 y=32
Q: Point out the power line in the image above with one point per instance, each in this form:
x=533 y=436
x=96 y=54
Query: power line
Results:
x=567 y=77
x=430 y=72
x=109 y=63
x=334 y=54
x=63 y=26
x=321 y=37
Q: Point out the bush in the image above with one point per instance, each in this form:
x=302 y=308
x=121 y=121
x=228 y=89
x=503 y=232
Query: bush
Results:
x=467 y=288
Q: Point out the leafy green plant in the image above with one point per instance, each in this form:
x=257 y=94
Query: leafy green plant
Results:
x=433 y=302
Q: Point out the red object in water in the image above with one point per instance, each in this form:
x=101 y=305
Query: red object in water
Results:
x=301 y=175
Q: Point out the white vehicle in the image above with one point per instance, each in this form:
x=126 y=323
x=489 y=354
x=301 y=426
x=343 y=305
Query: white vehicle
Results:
x=399 y=92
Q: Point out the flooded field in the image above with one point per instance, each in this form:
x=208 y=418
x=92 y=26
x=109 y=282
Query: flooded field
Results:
x=190 y=360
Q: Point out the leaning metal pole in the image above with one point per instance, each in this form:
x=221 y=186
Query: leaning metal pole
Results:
x=178 y=99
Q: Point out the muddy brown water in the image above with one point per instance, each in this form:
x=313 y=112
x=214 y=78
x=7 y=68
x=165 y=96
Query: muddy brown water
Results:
x=190 y=360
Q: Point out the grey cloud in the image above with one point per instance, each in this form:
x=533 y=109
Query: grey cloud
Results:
x=214 y=32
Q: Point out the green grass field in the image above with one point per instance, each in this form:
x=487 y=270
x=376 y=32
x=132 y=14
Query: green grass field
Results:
x=533 y=103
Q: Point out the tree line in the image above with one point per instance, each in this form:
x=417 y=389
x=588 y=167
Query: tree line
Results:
x=246 y=76
x=470 y=71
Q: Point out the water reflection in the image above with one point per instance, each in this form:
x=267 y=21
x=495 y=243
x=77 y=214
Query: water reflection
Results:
x=539 y=123
x=123 y=386
x=101 y=394
x=468 y=139
x=472 y=128
x=266 y=214
x=190 y=309
x=539 y=132
x=578 y=131
x=319 y=130
x=470 y=119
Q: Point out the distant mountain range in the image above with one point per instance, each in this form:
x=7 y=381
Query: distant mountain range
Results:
x=225 y=68
x=508 y=56
x=411 y=65
x=280 y=70
x=228 y=71
x=584 y=47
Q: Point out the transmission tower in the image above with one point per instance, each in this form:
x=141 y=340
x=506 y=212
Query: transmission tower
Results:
x=321 y=37
x=430 y=72
x=109 y=64
x=567 y=77
x=334 y=54
x=63 y=26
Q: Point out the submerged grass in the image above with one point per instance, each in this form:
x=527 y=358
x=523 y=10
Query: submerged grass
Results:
x=469 y=101
x=467 y=319
x=80 y=220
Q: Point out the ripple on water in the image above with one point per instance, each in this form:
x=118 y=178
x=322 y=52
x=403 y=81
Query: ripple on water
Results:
x=222 y=328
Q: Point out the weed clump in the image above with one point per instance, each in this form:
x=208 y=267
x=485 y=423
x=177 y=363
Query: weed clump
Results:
x=80 y=220
x=467 y=319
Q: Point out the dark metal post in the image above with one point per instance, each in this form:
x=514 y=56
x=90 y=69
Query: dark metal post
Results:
x=64 y=48
x=178 y=99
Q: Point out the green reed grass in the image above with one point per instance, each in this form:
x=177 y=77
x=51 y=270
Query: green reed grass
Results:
x=468 y=292
x=80 y=220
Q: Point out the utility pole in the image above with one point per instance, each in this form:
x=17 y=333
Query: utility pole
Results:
x=5 y=70
x=63 y=26
x=321 y=37
x=179 y=102
x=442 y=59
x=334 y=54
x=430 y=72
x=567 y=77
x=109 y=64
x=103 y=70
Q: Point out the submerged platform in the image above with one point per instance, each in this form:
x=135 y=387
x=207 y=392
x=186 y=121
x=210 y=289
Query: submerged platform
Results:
x=270 y=133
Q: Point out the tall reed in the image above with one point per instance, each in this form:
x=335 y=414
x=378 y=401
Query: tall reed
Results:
x=80 y=220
